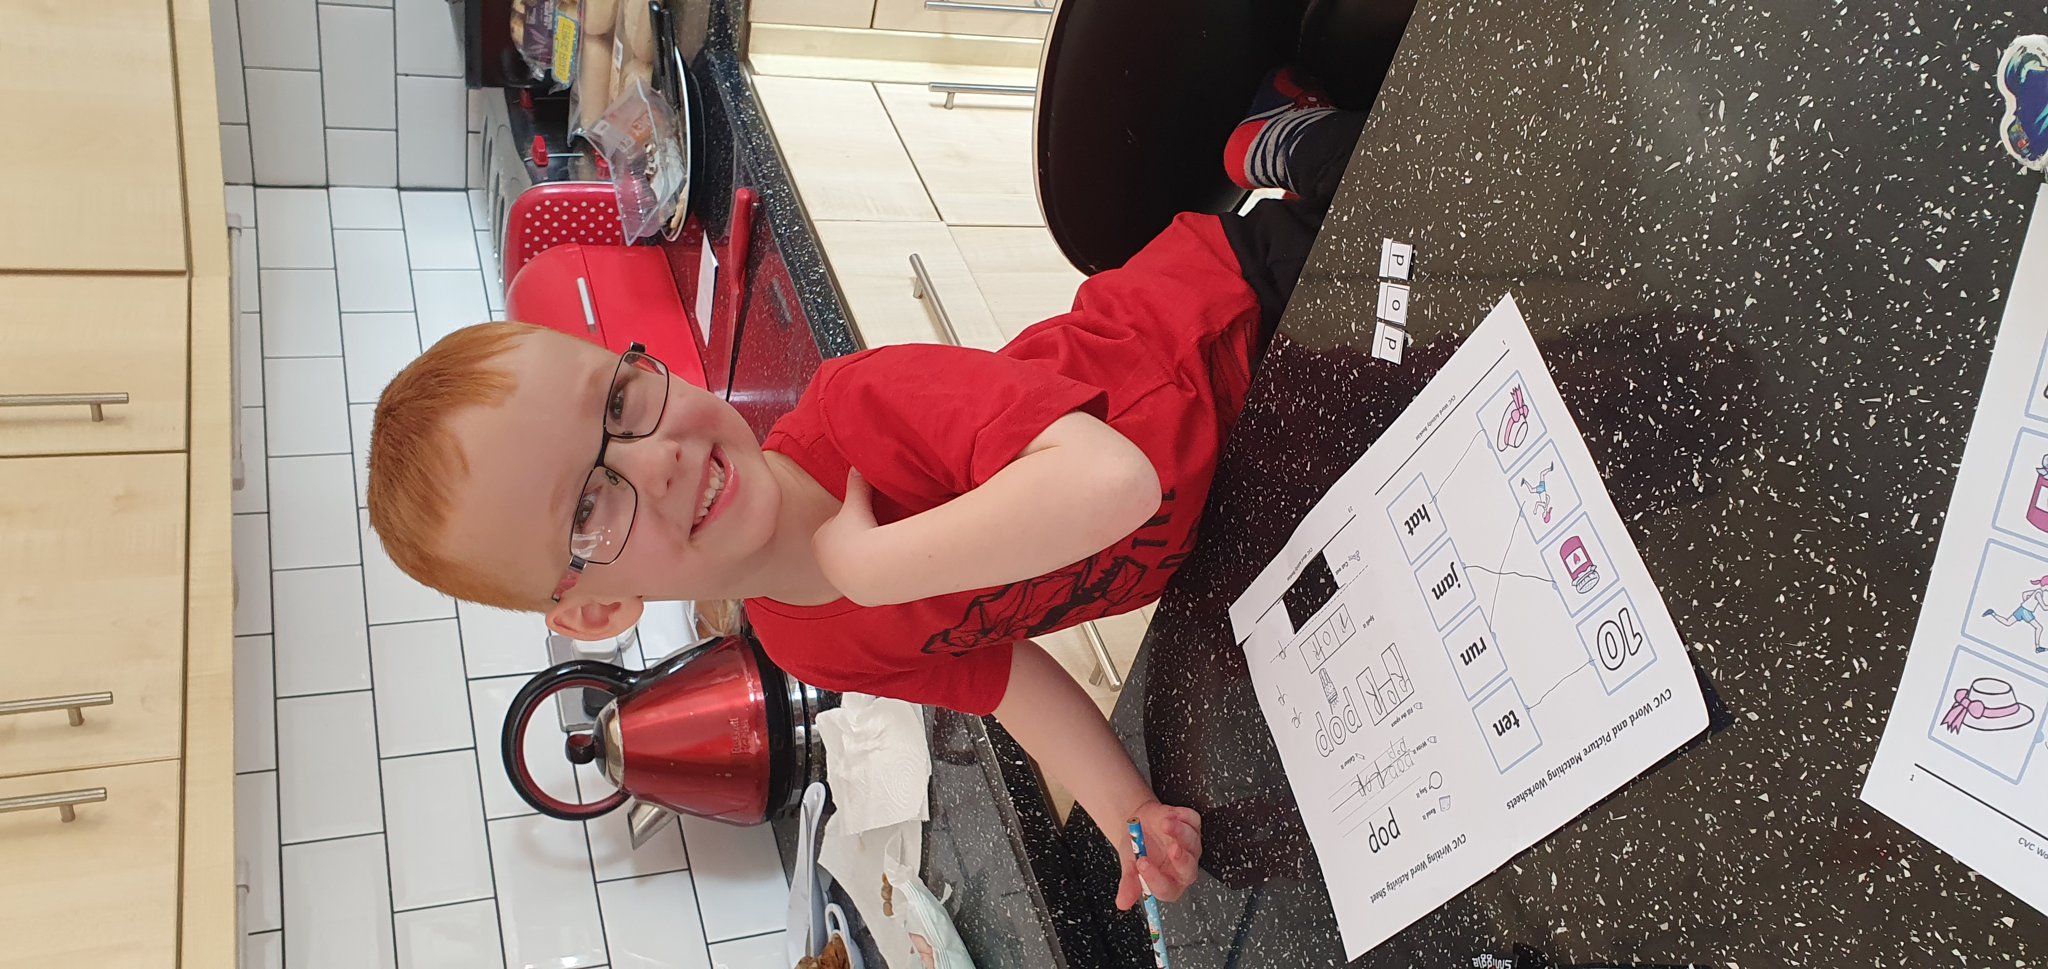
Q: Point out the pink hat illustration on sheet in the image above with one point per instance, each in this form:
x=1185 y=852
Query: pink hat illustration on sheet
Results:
x=1988 y=704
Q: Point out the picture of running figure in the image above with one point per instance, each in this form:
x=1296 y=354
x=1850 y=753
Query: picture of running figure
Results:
x=1541 y=489
x=2033 y=601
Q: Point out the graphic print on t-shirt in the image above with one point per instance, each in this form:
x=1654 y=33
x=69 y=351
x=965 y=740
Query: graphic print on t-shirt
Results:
x=1121 y=575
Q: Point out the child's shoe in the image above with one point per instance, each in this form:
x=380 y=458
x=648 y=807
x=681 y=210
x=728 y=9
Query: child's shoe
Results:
x=1256 y=156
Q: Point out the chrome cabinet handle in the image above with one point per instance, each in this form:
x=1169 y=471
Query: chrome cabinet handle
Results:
x=63 y=801
x=921 y=288
x=94 y=401
x=74 y=705
x=1105 y=667
x=951 y=88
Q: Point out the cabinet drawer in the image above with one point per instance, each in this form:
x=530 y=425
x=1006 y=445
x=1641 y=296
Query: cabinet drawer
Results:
x=100 y=890
x=101 y=189
x=92 y=600
x=70 y=335
x=912 y=15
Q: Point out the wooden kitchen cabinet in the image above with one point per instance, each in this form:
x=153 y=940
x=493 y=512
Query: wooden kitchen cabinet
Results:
x=812 y=13
x=115 y=535
x=99 y=185
x=69 y=335
x=92 y=564
x=912 y=15
x=100 y=890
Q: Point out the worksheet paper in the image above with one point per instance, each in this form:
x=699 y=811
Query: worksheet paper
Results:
x=1459 y=649
x=1961 y=762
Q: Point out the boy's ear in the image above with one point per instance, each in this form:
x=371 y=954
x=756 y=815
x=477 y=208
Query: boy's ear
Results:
x=589 y=619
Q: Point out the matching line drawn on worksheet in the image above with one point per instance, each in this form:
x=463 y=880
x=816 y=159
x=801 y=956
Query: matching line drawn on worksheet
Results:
x=1459 y=650
x=1961 y=762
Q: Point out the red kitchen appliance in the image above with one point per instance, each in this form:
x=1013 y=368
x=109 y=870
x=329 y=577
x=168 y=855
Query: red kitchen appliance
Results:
x=716 y=731
x=568 y=269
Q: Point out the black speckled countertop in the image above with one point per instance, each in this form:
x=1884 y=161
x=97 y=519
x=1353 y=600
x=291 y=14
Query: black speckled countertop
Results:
x=1764 y=250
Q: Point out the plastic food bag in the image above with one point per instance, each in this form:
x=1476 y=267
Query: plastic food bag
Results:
x=637 y=137
x=533 y=34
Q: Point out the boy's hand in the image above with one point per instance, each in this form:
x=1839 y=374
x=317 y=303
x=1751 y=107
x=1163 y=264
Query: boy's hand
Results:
x=1173 y=847
x=839 y=542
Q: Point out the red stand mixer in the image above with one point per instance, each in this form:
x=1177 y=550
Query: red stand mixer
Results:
x=716 y=731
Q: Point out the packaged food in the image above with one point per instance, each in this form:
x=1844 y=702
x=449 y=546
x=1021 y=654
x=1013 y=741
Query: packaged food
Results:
x=636 y=25
x=600 y=15
x=639 y=141
x=593 y=92
x=533 y=34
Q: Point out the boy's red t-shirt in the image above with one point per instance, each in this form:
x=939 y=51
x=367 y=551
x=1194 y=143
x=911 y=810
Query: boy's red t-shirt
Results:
x=1160 y=349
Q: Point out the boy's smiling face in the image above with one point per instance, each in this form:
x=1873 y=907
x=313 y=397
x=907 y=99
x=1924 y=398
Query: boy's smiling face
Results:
x=528 y=461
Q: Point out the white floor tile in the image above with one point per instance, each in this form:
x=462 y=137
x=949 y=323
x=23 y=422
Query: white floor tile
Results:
x=284 y=128
x=448 y=301
x=476 y=108
x=430 y=131
x=488 y=701
x=263 y=950
x=227 y=66
x=300 y=316
x=360 y=85
x=252 y=574
x=280 y=33
x=237 y=164
x=739 y=877
x=612 y=855
x=296 y=231
x=427 y=42
x=422 y=699
x=247 y=299
x=255 y=706
x=256 y=844
x=479 y=208
x=312 y=513
x=327 y=767
x=377 y=346
x=249 y=347
x=365 y=208
x=651 y=923
x=439 y=853
x=545 y=896
x=759 y=952
x=359 y=419
x=322 y=645
x=374 y=274
x=254 y=495
x=337 y=900
x=362 y=157
x=451 y=937
x=438 y=233
x=308 y=408
x=494 y=283
x=496 y=642
x=394 y=596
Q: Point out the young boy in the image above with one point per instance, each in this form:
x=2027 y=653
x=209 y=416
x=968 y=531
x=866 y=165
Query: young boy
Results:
x=921 y=513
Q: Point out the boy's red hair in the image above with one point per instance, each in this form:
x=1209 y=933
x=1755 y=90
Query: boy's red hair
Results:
x=416 y=462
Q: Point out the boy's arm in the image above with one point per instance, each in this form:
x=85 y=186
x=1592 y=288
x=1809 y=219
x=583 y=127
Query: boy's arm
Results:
x=1061 y=728
x=1077 y=488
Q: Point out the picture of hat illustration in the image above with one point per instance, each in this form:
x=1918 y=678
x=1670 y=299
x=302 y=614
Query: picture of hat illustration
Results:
x=1987 y=705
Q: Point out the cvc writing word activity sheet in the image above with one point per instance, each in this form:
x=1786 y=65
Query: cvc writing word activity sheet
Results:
x=1459 y=649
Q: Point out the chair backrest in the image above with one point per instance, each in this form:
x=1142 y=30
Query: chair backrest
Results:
x=555 y=213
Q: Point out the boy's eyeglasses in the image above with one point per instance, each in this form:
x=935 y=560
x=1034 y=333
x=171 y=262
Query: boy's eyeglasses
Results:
x=603 y=518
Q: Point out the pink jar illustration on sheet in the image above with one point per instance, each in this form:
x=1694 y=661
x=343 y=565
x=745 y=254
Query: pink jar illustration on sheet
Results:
x=2037 y=506
x=1578 y=563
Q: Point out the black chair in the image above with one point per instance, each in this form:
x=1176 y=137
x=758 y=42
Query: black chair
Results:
x=1136 y=98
